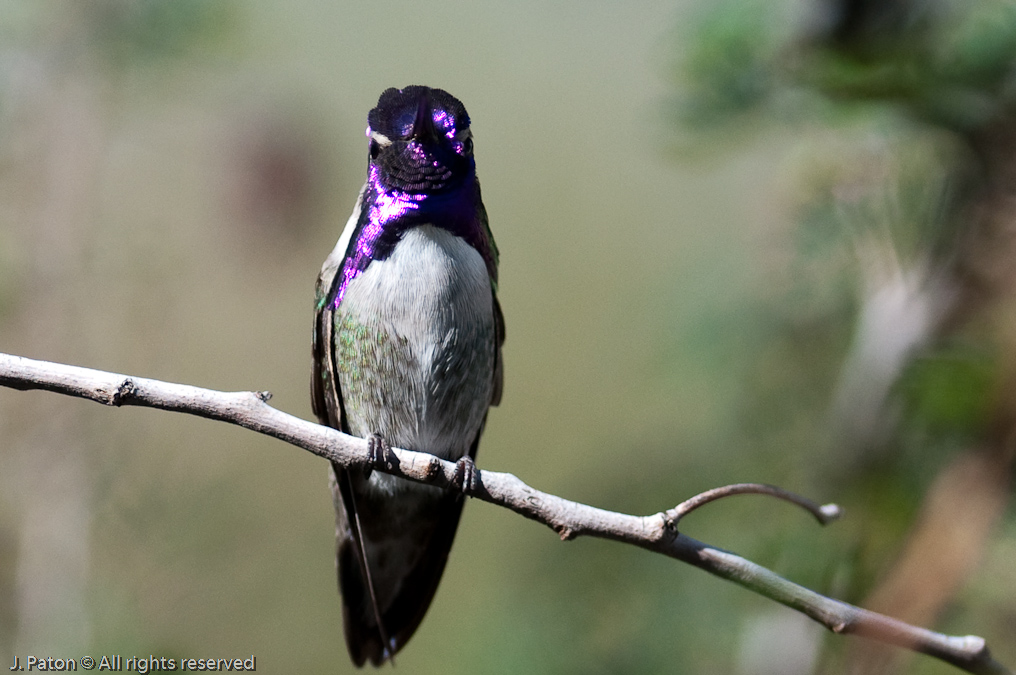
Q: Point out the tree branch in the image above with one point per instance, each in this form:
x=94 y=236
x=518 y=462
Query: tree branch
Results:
x=569 y=519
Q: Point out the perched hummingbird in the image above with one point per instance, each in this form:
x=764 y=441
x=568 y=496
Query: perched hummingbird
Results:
x=407 y=351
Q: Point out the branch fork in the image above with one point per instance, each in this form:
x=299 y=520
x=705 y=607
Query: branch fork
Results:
x=824 y=514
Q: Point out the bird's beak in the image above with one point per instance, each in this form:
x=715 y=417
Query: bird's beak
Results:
x=423 y=125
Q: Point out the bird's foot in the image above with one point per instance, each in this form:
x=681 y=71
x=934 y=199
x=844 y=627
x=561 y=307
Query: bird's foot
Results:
x=467 y=476
x=379 y=454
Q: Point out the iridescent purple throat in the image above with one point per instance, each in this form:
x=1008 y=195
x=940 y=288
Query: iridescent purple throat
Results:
x=387 y=214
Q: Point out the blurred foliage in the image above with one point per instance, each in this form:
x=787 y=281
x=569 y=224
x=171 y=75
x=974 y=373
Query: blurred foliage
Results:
x=729 y=62
x=893 y=103
x=951 y=392
x=953 y=69
x=134 y=33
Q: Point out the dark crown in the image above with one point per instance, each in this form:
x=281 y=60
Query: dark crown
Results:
x=396 y=112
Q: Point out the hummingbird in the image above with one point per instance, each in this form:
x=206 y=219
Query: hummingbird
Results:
x=406 y=353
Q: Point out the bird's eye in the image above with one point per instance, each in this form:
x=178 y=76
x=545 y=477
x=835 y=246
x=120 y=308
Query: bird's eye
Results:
x=375 y=149
x=467 y=146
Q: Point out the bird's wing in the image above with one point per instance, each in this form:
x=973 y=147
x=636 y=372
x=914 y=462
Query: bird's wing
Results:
x=488 y=240
x=495 y=392
x=326 y=399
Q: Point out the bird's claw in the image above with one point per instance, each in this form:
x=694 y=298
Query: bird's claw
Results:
x=467 y=476
x=378 y=453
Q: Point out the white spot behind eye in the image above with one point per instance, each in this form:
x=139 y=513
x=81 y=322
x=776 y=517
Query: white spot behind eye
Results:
x=378 y=138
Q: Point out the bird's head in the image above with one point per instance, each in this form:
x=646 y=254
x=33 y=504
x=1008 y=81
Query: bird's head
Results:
x=420 y=141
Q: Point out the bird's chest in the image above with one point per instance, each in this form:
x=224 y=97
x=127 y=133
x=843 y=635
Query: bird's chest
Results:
x=414 y=344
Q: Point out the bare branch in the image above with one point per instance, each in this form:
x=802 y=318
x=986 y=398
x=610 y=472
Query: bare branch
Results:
x=569 y=519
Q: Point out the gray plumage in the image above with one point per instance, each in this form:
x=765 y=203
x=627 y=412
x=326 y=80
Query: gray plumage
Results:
x=420 y=324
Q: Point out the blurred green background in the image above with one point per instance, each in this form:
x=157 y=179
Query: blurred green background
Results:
x=740 y=241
